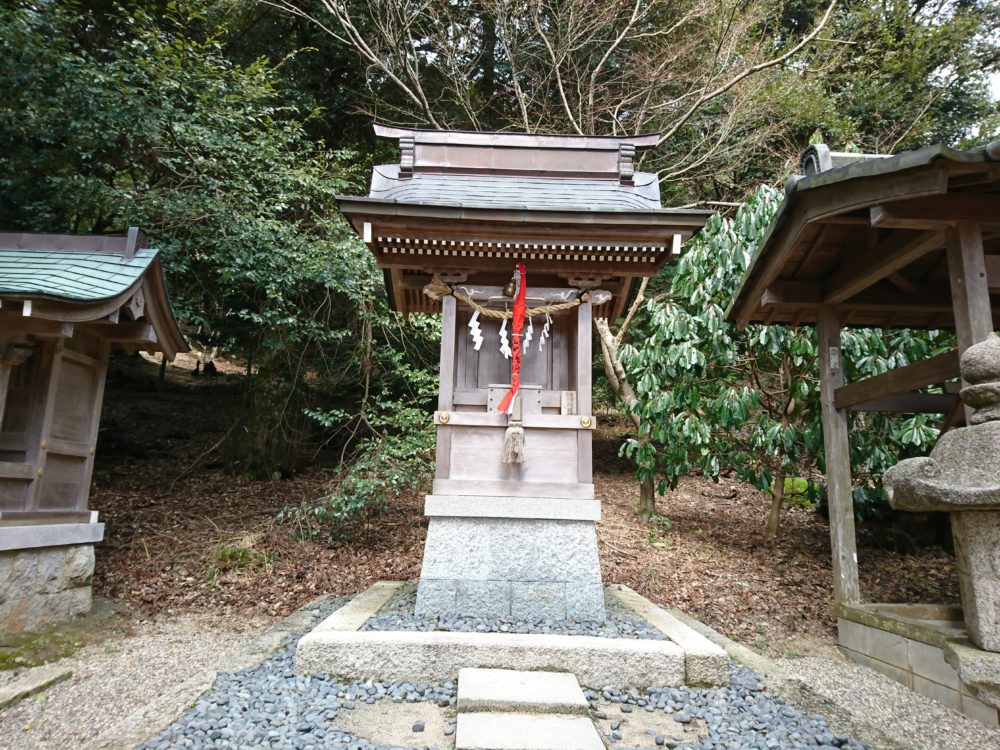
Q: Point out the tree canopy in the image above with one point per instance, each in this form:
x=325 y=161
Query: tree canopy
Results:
x=226 y=128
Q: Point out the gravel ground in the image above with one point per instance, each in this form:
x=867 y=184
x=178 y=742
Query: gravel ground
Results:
x=895 y=709
x=111 y=679
x=269 y=706
x=398 y=614
x=743 y=716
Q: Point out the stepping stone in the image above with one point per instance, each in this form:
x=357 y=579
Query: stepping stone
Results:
x=508 y=690
x=34 y=681
x=515 y=731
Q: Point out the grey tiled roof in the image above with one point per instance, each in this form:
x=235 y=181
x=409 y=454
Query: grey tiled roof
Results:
x=515 y=191
x=83 y=276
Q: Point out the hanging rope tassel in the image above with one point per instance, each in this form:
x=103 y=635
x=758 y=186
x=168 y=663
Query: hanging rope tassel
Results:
x=513 y=438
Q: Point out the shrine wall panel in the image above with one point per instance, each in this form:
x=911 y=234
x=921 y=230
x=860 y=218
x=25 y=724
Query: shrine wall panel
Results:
x=547 y=367
x=62 y=484
x=75 y=391
x=550 y=455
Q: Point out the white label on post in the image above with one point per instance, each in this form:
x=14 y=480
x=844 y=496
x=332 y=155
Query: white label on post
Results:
x=835 y=358
x=366 y=232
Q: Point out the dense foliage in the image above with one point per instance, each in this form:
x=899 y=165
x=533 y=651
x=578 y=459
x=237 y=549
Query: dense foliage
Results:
x=125 y=119
x=748 y=401
x=226 y=128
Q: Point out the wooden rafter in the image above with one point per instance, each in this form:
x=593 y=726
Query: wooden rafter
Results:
x=894 y=254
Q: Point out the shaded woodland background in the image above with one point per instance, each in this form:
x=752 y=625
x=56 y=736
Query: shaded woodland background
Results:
x=226 y=128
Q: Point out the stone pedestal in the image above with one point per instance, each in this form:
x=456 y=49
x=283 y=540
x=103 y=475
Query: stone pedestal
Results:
x=520 y=557
x=977 y=551
x=44 y=586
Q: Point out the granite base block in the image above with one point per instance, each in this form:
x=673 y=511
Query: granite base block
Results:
x=527 y=568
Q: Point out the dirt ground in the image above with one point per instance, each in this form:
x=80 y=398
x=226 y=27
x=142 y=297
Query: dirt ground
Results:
x=185 y=532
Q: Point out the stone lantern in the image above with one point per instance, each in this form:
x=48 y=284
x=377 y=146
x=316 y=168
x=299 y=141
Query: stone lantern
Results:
x=962 y=476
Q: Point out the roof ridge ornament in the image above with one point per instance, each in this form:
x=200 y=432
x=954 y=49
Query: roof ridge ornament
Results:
x=626 y=164
x=407 y=154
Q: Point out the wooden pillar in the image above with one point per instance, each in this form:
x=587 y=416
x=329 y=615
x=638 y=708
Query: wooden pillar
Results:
x=839 y=489
x=42 y=413
x=446 y=389
x=970 y=296
x=100 y=376
x=584 y=405
x=5 y=370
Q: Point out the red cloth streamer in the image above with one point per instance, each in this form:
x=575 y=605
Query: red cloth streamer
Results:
x=507 y=403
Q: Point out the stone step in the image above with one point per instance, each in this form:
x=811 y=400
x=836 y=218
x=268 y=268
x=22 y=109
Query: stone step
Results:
x=509 y=690
x=518 y=731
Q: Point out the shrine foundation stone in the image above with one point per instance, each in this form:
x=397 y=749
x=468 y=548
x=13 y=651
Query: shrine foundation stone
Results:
x=44 y=586
x=530 y=569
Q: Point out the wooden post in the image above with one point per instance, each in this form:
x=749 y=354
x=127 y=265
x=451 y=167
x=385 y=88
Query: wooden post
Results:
x=446 y=389
x=839 y=488
x=100 y=376
x=970 y=295
x=5 y=370
x=42 y=413
x=584 y=406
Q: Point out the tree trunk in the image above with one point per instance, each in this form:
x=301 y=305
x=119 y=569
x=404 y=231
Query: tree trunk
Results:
x=647 y=499
x=777 y=498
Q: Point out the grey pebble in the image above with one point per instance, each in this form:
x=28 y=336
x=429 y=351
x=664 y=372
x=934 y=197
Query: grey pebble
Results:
x=418 y=726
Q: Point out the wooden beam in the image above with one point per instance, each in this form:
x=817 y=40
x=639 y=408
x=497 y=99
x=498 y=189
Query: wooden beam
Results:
x=845 y=219
x=931 y=371
x=14 y=470
x=14 y=324
x=839 y=488
x=938 y=211
x=892 y=255
x=132 y=333
x=911 y=403
x=902 y=283
x=809 y=294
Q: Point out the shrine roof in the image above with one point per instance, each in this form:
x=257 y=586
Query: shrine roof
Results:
x=78 y=275
x=524 y=192
x=473 y=203
x=867 y=233
x=81 y=278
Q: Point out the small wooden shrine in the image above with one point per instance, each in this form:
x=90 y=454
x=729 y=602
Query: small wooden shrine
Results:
x=912 y=241
x=64 y=302
x=519 y=241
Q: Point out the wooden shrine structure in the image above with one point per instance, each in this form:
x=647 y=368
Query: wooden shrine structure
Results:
x=447 y=225
x=913 y=241
x=65 y=300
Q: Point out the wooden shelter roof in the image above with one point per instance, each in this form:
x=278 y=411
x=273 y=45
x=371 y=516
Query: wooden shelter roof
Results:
x=464 y=204
x=868 y=234
x=65 y=279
